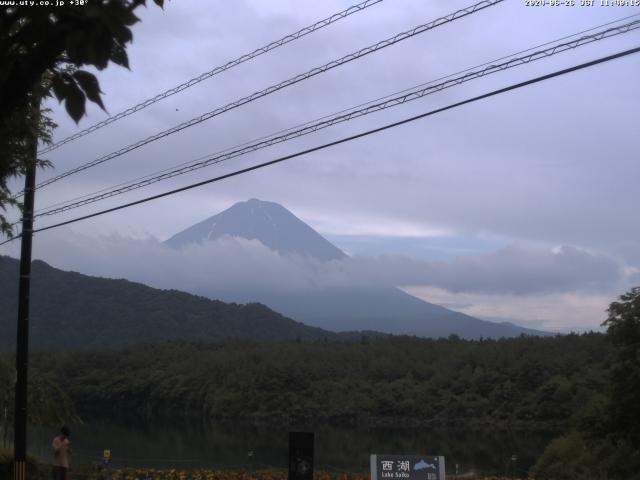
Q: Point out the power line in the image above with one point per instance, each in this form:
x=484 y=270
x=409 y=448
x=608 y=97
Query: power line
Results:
x=407 y=96
x=11 y=239
x=274 y=88
x=232 y=63
x=348 y=139
x=296 y=127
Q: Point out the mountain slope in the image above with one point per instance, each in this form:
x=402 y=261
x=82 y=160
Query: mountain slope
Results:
x=69 y=309
x=270 y=223
x=387 y=310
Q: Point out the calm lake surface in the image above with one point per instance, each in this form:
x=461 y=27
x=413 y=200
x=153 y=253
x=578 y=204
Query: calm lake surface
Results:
x=337 y=448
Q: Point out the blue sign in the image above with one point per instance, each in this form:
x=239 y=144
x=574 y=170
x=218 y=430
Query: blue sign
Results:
x=407 y=467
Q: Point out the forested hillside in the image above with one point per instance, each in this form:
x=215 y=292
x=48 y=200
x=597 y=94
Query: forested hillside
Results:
x=398 y=380
x=71 y=310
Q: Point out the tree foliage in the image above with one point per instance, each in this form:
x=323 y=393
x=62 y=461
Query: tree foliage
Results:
x=35 y=41
x=623 y=330
x=47 y=403
x=43 y=51
x=29 y=122
x=71 y=310
x=604 y=442
x=386 y=381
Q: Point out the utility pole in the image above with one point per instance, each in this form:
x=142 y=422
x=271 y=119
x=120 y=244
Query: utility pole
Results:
x=22 y=343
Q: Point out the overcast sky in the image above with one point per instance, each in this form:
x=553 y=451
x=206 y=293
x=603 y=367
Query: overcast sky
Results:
x=522 y=206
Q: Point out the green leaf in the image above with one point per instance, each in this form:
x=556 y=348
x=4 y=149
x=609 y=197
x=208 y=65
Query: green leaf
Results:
x=92 y=10
x=89 y=84
x=76 y=46
x=102 y=47
x=119 y=56
x=126 y=15
x=59 y=87
x=120 y=32
x=75 y=102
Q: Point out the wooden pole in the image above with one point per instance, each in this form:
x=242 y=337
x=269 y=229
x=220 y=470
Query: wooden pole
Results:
x=22 y=342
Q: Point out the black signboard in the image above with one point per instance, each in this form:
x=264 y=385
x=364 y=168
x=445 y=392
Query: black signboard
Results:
x=407 y=467
x=300 y=455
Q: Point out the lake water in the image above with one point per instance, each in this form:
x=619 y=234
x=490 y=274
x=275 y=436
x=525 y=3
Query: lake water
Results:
x=337 y=448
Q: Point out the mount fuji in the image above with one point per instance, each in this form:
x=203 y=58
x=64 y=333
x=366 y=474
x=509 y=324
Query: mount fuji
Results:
x=344 y=308
x=268 y=222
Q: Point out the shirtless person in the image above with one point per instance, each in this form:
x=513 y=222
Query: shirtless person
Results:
x=61 y=451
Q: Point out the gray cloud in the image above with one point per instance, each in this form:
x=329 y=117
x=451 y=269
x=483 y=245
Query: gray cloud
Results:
x=237 y=263
x=511 y=270
x=544 y=164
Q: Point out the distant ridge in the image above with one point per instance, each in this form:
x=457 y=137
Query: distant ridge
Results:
x=270 y=223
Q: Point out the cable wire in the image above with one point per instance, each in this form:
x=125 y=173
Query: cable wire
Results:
x=232 y=63
x=343 y=117
x=347 y=139
x=274 y=88
x=159 y=172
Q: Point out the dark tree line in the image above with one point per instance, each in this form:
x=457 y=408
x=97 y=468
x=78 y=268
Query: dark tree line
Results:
x=523 y=381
